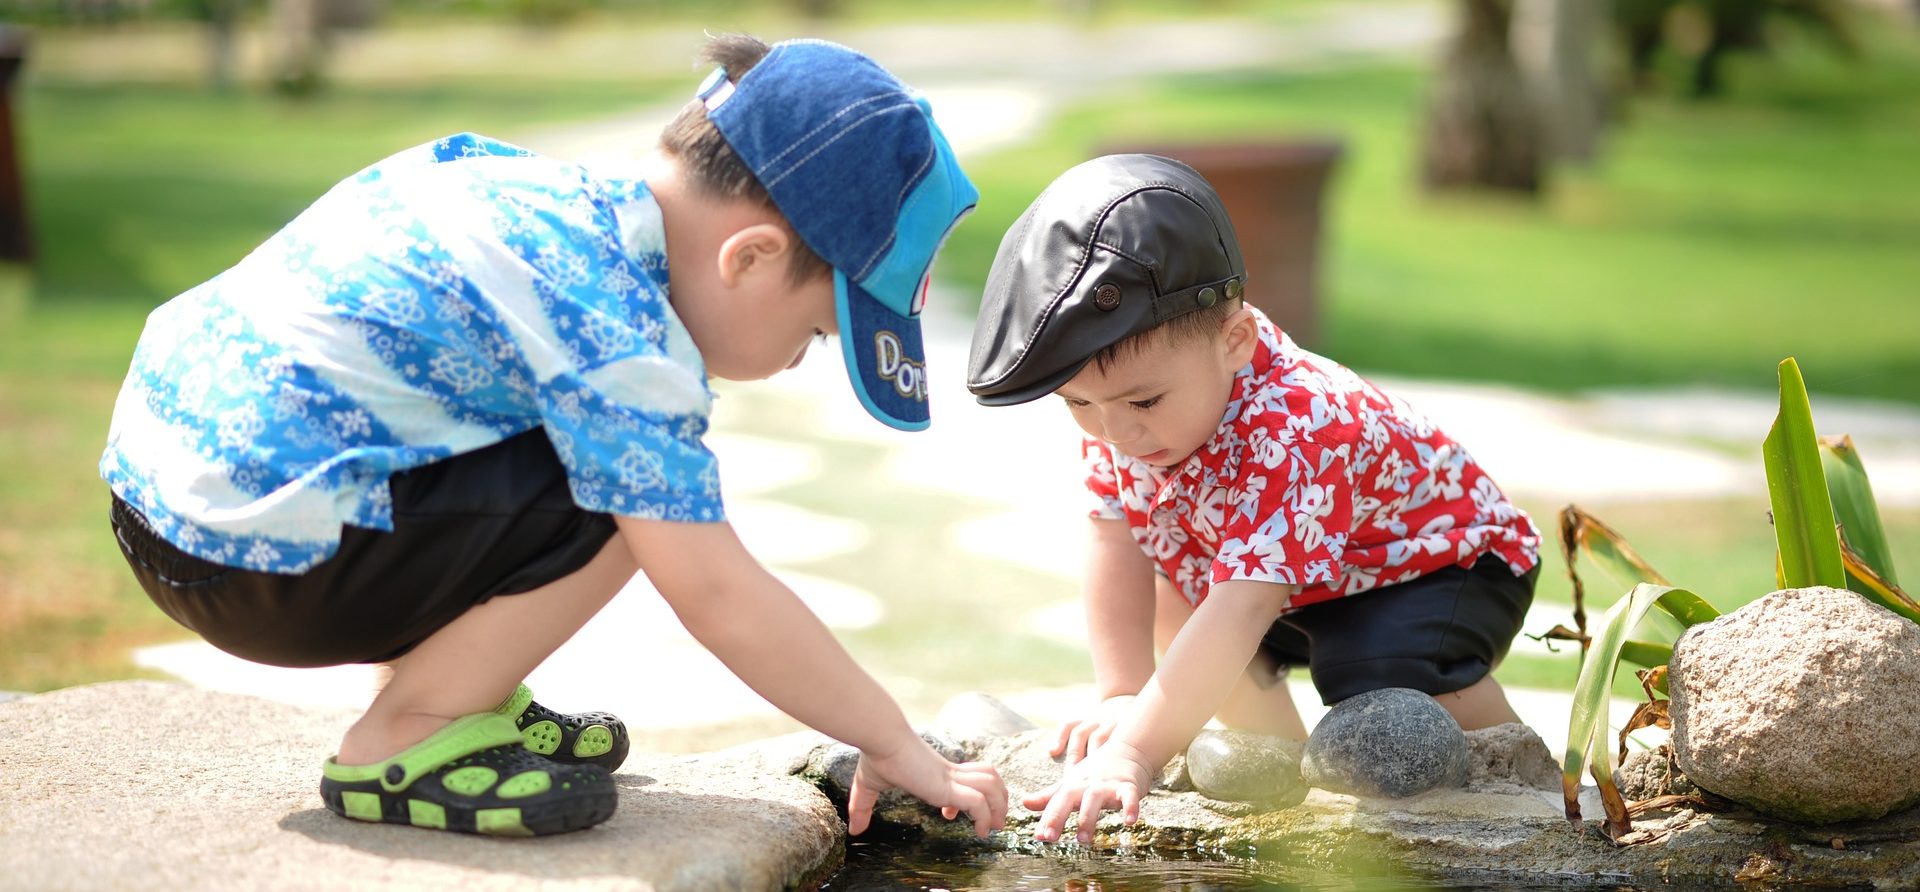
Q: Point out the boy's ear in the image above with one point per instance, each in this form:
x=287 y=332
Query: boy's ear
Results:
x=756 y=249
x=1239 y=334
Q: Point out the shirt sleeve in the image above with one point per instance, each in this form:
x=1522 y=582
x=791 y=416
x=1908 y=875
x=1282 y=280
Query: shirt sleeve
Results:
x=1290 y=506
x=1101 y=481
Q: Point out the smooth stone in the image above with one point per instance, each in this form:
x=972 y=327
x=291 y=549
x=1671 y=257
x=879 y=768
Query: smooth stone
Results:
x=1393 y=742
x=1804 y=705
x=975 y=714
x=1240 y=767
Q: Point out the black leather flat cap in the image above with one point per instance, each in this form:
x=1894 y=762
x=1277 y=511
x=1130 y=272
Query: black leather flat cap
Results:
x=1116 y=246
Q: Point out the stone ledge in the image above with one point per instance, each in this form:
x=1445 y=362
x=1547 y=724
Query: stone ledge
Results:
x=157 y=785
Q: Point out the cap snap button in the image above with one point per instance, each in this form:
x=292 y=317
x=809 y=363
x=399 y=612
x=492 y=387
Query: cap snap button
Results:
x=1107 y=296
x=1234 y=289
x=1208 y=296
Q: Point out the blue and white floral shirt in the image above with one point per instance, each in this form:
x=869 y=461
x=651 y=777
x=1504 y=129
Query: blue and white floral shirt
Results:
x=440 y=301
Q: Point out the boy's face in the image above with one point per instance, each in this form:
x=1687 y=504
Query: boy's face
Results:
x=777 y=323
x=1163 y=402
x=738 y=300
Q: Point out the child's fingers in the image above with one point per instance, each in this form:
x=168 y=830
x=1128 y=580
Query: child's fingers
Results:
x=1060 y=739
x=1092 y=805
x=1054 y=820
x=1038 y=801
x=1130 y=803
x=972 y=802
x=949 y=813
x=1077 y=747
x=993 y=791
x=860 y=800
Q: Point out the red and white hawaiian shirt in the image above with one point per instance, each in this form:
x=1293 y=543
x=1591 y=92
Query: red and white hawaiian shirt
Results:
x=1315 y=478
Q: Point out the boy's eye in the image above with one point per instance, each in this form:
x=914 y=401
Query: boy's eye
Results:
x=1145 y=404
x=1073 y=402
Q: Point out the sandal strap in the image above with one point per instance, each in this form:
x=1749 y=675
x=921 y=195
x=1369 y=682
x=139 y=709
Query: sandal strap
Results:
x=463 y=737
x=516 y=702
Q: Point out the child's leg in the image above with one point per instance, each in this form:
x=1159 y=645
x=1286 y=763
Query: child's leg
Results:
x=1482 y=704
x=1248 y=707
x=473 y=663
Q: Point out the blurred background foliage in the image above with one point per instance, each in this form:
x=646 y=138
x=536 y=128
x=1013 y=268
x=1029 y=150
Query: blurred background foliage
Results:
x=1715 y=184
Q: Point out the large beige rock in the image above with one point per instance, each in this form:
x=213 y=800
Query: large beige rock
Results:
x=138 y=785
x=1804 y=704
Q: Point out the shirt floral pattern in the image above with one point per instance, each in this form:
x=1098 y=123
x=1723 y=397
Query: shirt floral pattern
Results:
x=439 y=301
x=1315 y=478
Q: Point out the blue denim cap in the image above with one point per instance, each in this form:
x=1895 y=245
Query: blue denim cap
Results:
x=855 y=163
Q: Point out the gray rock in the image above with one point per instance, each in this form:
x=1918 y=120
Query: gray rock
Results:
x=1393 y=742
x=1242 y=767
x=975 y=715
x=149 y=784
x=1804 y=705
x=835 y=762
x=1510 y=754
x=1649 y=773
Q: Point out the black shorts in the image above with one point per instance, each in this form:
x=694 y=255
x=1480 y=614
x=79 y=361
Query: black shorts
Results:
x=496 y=521
x=1438 y=633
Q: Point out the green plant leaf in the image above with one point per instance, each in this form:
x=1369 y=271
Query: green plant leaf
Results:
x=1854 y=507
x=1586 y=727
x=1646 y=653
x=1796 y=486
x=1583 y=533
x=1862 y=579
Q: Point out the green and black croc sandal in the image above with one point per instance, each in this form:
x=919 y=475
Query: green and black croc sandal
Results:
x=473 y=776
x=589 y=738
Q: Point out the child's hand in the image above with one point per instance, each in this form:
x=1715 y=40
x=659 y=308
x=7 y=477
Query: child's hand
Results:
x=1081 y=736
x=1113 y=778
x=971 y=787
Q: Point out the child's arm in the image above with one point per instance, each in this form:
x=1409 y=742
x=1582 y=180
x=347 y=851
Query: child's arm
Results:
x=761 y=631
x=1201 y=667
x=1119 y=602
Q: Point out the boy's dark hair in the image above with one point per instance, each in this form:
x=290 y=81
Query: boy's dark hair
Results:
x=711 y=165
x=1199 y=324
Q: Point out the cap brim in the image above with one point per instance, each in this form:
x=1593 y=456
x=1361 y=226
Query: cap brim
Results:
x=1034 y=391
x=886 y=358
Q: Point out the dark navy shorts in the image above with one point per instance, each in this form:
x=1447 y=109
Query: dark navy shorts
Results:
x=496 y=521
x=1438 y=633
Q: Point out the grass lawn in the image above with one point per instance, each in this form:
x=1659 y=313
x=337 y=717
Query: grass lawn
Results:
x=1712 y=241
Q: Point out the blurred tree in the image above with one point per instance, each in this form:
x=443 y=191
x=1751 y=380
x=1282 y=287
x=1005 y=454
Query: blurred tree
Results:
x=300 y=47
x=1482 y=124
x=221 y=17
x=1555 y=42
x=303 y=36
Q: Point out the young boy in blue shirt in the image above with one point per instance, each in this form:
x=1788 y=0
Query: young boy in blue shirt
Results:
x=1259 y=506
x=445 y=414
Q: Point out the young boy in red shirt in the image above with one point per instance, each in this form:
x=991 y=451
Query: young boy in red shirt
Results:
x=1260 y=506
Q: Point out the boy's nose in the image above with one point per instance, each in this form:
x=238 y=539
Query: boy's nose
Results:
x=1119 y=428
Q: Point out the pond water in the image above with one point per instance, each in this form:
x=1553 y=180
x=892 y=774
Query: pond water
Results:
x=885 y=865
